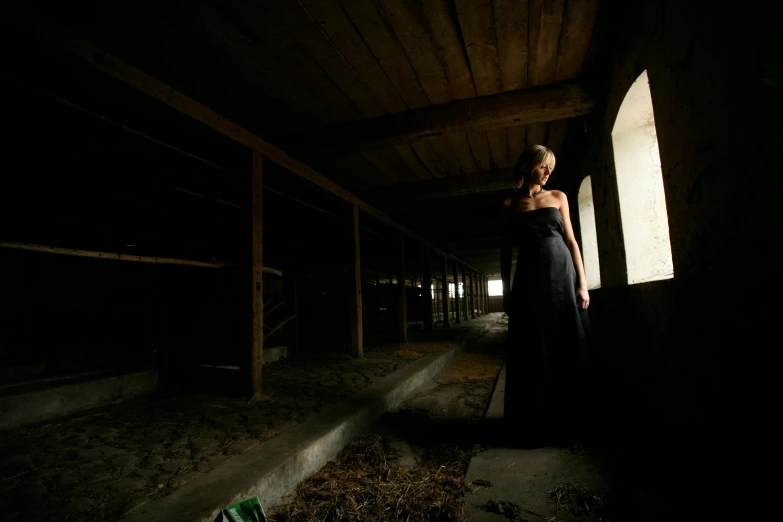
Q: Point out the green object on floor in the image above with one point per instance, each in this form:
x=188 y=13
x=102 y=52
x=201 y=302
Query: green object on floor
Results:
x=249 y=510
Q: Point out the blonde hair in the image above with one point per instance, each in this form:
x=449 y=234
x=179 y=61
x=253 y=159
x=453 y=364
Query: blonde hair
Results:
x=531 y=158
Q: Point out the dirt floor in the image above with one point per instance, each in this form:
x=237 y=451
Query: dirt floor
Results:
x=103 y=464
x=411 y=464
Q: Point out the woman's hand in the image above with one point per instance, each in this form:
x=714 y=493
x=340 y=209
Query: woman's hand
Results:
x=582 y=298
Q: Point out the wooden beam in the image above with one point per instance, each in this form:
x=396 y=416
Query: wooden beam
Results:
x=444 y=291
x=114 y=256
x=465 y=298
x=257 y=229
x=540 y=104
x=355 y=285
x=402 y=318
x=462 y=185
x=472 y=297
x=46 y=30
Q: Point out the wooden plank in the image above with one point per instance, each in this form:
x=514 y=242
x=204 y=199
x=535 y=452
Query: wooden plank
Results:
x=511 y=31
x=257 y=282
x=338 y=28
x=387 y=50
x=45 y=30
x=402 y=315
x=536 y=134
x=266 y=45
x=498 y=147
x=556 y=136
x=444 y=290
x=578 y=24
x=430 y=159
x=461 y=147
x=472 y=302
x=448 y=158
x=531 y=105
x=517 y=141
x=478 y=32
x=546 y=21
x=410 y=157
x=355 y=285
x=407 y=22
x=447 y=35
x=114 y=256
x=479 y=146
x=300 y=25
x=391 y=164
x=462 y=185
x=477 y=23
x=465 y=298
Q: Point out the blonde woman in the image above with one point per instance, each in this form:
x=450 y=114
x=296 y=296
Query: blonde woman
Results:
x=546 y=303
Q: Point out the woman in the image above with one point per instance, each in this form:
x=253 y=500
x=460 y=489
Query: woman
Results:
x=546 y=306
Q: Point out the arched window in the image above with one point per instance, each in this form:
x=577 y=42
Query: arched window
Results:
x=589 y=236
x=645 y=223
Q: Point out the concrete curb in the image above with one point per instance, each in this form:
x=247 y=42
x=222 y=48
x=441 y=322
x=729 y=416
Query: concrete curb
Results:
x=66 y=399
x=275 y=468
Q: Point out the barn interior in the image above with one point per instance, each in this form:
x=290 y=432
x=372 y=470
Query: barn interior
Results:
x=191 y=184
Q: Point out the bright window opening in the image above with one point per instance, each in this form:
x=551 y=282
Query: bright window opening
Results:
x=589 y=236
x=495 y=287
x=645 y=223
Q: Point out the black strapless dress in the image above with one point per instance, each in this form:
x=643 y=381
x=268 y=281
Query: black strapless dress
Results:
x=547 y=331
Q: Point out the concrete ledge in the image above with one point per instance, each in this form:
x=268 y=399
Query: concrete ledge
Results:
x=49 y=403
x=275 y=468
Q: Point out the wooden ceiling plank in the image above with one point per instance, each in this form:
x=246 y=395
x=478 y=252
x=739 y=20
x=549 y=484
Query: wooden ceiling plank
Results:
x=511 y=30
x=338 y=28
x=407 y=22
x=556 y=136
x=267 y=44
x=448 y=158
x=479 y=146
x=546 y=21
x=498 y=147
x=452 y=186
x=536 y=134
x=387 y=50
x=517 y=141
x=447 y=35
x=578 y=24
x=430 y=159
x=461 y=147
x=531 y=105
x=407 y=153
x=478 y=32
x=380 y=159
x=305 y=30
x=477 y=21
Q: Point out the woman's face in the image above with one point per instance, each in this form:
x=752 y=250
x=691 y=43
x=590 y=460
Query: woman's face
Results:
x=540 y=175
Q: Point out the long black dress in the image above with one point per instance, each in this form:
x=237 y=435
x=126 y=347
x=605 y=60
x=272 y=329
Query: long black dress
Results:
x=546 y=331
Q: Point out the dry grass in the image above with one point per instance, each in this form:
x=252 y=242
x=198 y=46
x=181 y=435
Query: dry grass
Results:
x=365 y=484
x=576 y=500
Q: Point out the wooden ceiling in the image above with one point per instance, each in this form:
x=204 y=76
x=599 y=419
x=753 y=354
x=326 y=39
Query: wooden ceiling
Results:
x=437 y=95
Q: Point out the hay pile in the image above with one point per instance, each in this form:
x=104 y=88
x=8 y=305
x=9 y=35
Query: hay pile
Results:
x=576 y=500
x=365 y=484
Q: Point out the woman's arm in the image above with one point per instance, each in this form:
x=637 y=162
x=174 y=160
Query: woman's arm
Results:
x=583 y=298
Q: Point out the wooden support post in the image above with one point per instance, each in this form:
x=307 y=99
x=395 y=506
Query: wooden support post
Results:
x=479 y=307
x=472 y=296
x=457 y=307
x=257 y=342
x=402 y=319
x=427 y=289
x=444 y=291
x=486 y=292
x=355 y=285
x=465 y=298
